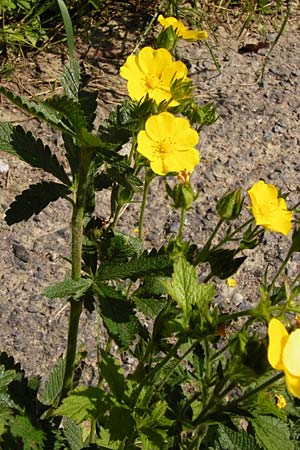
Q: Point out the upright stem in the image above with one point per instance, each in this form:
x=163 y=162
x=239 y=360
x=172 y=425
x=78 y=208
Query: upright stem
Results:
x=281 y=268
x=77 y=236
x=148 y=178
x=181 y=224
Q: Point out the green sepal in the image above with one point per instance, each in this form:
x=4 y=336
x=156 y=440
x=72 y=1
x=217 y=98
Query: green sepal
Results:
x=34 y=200
x=167 y=38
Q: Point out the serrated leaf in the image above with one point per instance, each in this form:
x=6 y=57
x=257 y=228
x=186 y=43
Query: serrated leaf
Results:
x=34 y=200
x=113 y=374
x=150 y=306
x=136 y=267
x=20 y=143
x=40 y=110
x=118 y=315
x=272 y=433
x=22 y=428
x=53 y=385
x=73 y=434
x=6 y=376
x=184 y=287
x=70 y=79
x=68 y=288
x=82 y=404
x=236 y=440
x=70 y=109
x=119 y=245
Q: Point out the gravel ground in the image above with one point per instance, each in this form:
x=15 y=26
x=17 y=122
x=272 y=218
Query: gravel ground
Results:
x=257 y=135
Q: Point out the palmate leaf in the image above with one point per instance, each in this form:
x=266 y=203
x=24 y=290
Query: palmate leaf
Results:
x=40 y=110
x=223 y=263
x=112 y=372
x=34 y=200
x=22 y=144
x=88 y=103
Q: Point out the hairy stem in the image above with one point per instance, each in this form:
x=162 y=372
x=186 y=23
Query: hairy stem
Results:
x=77 y=236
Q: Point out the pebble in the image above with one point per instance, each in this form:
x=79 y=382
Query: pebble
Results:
x=4 y=167
x=20 y=252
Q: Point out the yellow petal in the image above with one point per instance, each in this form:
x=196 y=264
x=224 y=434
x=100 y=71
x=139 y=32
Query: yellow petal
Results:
x=185 y=160
x=154 y=61
x=291 y=354
x=194 y=35
x=184 y=135
x=160 y=125
x=146 y=146
x=277 y=339
x=293 y=384
x=281 y=221
x=130 y=68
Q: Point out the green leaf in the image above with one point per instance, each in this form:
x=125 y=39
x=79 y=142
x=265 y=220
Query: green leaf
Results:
x=6 y=376
x=70 y=109
x=236 y=440
x=120 y=423
x=150 y=306
x=184 y=287
x=32 y=437
x=223 y=264
x=117 y=245
x=135 y=268
x=113 y=374
x=34 y=200
x=40 y=110
x=272 y=433
x=68 y=26
x=70 y=79
x=83 y=403
x=73 y=434
x=68 y=288
x=16 y=141
x=118 y=315
x=88 y=103
x=53 y=386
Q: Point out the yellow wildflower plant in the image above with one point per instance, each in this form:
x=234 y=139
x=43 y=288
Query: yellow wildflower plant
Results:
x=181 y=30
x=284 y=354
x=168 y=143
x=152 y=72
x=269 y=210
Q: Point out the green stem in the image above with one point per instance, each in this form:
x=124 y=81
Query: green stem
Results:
x=206 y=247
x=181 y=224
x=289 y=253
x=77 y=236
x=148 y=178
x=258 y=388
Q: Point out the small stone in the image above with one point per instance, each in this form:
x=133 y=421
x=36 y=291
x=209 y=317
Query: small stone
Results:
x=32 y=309
x=237 y=298
x=4 y=167
x=20 y=252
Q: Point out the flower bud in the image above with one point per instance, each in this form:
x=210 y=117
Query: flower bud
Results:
x=229 y=206
x=182 y=195
x=167 y=38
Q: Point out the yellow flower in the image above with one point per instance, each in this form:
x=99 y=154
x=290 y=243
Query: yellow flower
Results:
x=284 y=354
x=168 y=142
x=231 y=282
x=180 y=29
x=152 y=72
x=269 y=210
x=280 y=401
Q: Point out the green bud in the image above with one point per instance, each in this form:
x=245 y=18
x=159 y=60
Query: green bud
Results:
x=182 y=195
x=167 y=39
x=229 y=206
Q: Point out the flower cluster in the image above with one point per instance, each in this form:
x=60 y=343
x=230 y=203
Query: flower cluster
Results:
x=284 y=354
x=167 y=141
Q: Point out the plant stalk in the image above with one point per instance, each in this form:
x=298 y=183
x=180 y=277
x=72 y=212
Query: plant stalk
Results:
x=77 y=237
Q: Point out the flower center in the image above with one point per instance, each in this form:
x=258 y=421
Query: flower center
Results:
x=164 y=146
x=152 y=81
